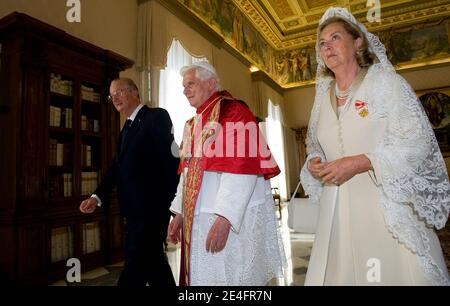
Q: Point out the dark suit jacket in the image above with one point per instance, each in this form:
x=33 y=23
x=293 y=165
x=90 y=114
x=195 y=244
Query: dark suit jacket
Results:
x=145 y=172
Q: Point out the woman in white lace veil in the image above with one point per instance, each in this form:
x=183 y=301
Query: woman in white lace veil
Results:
x=373 y=166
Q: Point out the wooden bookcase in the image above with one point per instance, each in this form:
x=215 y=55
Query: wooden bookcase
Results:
x=57 y=137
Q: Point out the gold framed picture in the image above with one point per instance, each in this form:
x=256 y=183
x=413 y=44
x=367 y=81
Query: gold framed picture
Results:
x=436 y=103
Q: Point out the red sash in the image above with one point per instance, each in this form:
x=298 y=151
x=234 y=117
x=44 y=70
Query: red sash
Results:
x=194 y=135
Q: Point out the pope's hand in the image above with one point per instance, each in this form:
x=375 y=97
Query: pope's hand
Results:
x=218 y=235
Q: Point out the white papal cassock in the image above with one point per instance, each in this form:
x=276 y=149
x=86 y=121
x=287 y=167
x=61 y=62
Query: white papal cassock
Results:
x=253 y=254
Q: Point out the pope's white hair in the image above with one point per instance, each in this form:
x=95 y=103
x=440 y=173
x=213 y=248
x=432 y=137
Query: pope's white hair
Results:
x=203 y=71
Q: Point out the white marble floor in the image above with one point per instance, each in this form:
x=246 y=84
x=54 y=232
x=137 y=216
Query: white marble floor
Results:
x=297 y=248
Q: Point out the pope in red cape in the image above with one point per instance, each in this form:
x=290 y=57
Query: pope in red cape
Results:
x=224 y=210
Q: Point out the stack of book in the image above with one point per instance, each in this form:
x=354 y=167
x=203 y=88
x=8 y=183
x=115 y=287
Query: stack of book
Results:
x=89 y=94
x=91 y=237
x=61 y=243
x=59 y=85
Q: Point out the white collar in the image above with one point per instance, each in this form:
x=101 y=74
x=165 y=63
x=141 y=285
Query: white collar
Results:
x=134 y=113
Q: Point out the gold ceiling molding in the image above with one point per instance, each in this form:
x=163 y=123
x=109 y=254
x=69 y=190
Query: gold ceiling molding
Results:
x=262 y=23
x=394 y=21
x=413 y=17
x=393 y=13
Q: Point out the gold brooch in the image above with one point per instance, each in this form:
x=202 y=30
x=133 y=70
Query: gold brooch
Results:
x=362 y=108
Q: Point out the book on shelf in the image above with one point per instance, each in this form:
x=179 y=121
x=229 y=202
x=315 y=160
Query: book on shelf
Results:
x=86 y=155
x=60 y=154
x=60 y=185
x=84 y=126
x=67 y=177
x=55 y=116
x=61 y=243
x=91 y=237
x=89 y=124
x=89 y=182
x=60 y=117
x=52 y=148
x=96 y=127
x=89 y=94
x=66 y=118
x=60 y=85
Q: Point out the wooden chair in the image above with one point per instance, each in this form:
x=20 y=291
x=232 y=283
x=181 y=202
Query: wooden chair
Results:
x=277 y=199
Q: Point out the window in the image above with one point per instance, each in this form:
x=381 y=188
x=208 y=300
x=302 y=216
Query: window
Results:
x=171 y=95
x=274 y=132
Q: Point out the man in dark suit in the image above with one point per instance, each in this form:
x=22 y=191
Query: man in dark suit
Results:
x=145 y=173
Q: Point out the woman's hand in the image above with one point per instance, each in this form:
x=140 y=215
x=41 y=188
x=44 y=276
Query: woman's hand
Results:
x=315 y=166
x=341 y=170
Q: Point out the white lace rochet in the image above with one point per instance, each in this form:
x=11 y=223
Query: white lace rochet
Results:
x=408 y=162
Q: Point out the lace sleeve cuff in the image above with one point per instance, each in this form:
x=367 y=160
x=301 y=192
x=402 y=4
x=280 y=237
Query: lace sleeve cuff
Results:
x=312 y=187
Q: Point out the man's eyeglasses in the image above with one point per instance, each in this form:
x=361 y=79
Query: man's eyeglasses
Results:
x=117 y=93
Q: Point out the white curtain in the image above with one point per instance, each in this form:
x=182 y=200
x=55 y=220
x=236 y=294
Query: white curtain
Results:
x=275 y=139
x=171 y=88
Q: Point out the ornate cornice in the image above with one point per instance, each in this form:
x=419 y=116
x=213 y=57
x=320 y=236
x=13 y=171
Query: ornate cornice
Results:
x=391 y=17
x=261 y=23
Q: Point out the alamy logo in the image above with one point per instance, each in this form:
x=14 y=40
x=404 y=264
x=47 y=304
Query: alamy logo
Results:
x=235 y=140
x=374 y=273
x=374 y=13
x=73 y=275
x=74 y=13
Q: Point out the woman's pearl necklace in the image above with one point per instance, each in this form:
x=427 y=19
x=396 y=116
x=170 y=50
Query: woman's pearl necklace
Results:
x=343 y=94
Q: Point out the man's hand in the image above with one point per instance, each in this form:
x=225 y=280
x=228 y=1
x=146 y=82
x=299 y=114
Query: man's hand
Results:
x=218 y=235
x=89 y=205
x=174 y=229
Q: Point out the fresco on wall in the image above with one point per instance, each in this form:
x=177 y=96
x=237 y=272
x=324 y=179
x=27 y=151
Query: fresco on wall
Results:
x=215 y=13
x=295 y=66
x=227 y=20
x=437 y=108
x=416 y=45
x=408 y=47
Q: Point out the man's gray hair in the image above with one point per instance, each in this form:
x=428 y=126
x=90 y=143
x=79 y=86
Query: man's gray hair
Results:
x=203 y=71
x=129 y=82
x=131 y=85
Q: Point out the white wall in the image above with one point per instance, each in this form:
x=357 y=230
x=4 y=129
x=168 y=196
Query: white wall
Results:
x=429 y=78
x=235 y=76
x=298 y=103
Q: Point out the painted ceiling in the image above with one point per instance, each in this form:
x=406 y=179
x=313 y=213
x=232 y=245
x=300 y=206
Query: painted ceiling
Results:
x=278 y=36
